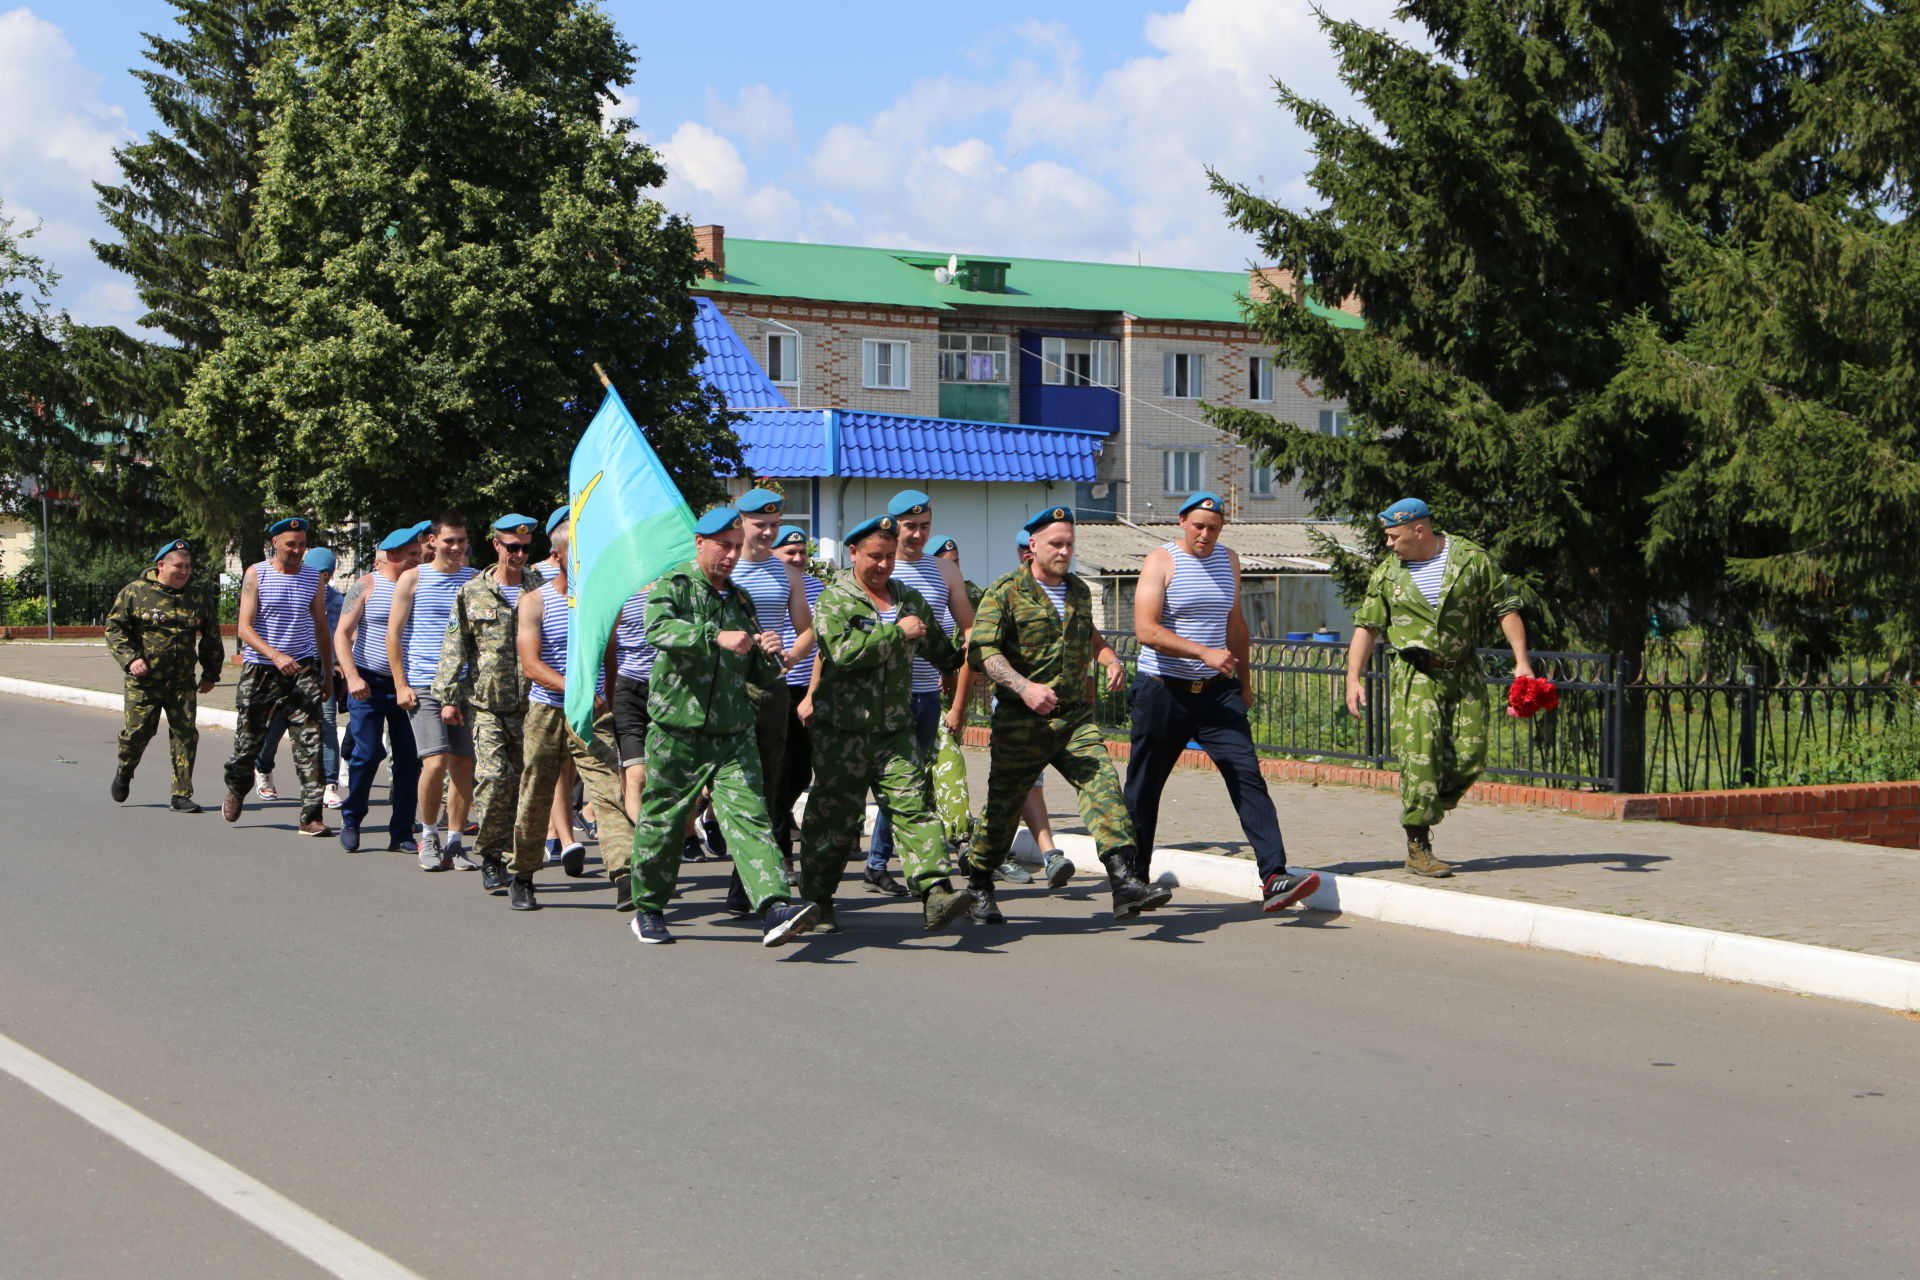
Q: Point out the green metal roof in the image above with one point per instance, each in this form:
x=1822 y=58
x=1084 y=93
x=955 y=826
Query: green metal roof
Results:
x=904 y=278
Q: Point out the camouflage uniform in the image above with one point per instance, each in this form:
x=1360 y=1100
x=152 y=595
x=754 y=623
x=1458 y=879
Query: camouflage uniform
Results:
x=482 y=642
x=863 y=735
x=1439 y=715
x=951 y=803
x=169 y=629
x=1017 y=621
x=702 y=736
x=549 y=744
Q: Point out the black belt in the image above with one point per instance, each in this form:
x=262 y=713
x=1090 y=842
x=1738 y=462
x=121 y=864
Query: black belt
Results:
x=1190 y=686
x=1423 y=661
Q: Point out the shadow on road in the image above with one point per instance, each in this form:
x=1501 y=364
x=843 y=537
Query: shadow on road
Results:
x=1628 y=862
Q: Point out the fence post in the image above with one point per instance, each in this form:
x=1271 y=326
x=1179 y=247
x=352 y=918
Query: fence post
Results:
x=1749 y=725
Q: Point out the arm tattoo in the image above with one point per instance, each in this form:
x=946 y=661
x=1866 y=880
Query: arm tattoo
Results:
x=1001 y=672
x=358 y=589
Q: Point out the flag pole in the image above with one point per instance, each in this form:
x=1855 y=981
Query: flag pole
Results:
x=605 y=381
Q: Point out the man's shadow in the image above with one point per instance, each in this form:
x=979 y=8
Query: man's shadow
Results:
x=1635 y=863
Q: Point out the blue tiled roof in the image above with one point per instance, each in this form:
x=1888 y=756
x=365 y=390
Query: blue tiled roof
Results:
x=848 y=442
x=726 y=364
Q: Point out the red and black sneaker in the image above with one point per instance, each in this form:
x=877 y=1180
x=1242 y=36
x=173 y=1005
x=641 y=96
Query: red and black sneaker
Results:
x=1283 y=889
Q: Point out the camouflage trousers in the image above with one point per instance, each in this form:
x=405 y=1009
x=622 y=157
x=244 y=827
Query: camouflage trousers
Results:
x=497 y=748
x=146 y=699
x=1069 y=741
x=951 y=804
x=547 y=744
x=1439 y=737
x=263 y=691
x=680 y=764
x=889 y=765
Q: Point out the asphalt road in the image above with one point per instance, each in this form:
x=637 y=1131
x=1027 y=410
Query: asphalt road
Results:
x=478 y=1093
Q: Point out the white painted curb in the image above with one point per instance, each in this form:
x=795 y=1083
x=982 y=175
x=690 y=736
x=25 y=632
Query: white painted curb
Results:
x=204 y=717
x=1882 y=981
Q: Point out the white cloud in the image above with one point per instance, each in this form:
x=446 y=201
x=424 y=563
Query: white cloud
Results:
x=1024 y=150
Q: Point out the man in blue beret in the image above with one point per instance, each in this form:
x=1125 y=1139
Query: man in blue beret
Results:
x=286 y=648
x=155 y=630
x=1195 y=685
x=551 y=567
x=324 y=562
x=708 y=647
x=1437 y=597
x=1034 y=637
x=360 y=645
x=422 y=603
x=796 y=768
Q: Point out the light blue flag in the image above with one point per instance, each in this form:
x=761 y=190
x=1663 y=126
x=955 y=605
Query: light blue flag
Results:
x=629 y=525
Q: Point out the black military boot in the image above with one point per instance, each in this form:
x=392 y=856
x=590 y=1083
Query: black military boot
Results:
x=520 y=894
x=493 y=873
x=943 y=905
x=1131 y=894
x=622 y=890
x=118 y=790
x=983 y=909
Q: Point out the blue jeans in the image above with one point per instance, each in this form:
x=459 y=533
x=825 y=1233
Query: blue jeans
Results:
x=926 y=729
x=365 y=751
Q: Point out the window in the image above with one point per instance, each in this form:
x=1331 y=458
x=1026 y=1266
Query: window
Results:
x=783 y=358
x=1183 y=471
x=1333 y=422
x=1260 y=378
x=1080 y=362
x=973 y=357
x=1260 y=481
x=883 y=365
x=1182 y=374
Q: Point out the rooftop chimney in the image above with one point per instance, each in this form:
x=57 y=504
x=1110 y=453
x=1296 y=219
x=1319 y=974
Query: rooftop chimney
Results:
x=1265 y=282
x=711 y=241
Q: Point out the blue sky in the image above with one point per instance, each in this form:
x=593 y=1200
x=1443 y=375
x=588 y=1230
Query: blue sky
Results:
x=1066 y=130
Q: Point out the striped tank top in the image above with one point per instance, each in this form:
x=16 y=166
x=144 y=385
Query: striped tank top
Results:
x=285 y=616
x=766 y=584
x=370 y=640
x=923 y=575
x=1199 y=598
x=1428 y=574
x=632 y=652
x=556 y=620
x=802 y=670
x=427 y=626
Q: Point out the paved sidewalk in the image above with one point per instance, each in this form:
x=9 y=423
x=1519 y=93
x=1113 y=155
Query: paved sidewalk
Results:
x=1822 y=892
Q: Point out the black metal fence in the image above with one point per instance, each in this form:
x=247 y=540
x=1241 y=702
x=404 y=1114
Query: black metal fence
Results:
x=1678 y=725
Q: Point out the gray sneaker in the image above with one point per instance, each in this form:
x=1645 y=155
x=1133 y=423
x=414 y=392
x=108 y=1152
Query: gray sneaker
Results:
x=1059 y=869
x=1013 y=873
x=463 y=860
x=431 y=856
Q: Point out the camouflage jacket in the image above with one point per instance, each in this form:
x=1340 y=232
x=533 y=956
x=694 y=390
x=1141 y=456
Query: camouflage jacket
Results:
x=696 y=684
x=483 y=638
x=1017 y=621
x=168 y=628
x=866 y=671
x=1474 y=596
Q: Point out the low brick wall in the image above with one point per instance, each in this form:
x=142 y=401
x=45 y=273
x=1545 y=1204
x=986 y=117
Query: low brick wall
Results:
x=81 y=633
x=1882 y=813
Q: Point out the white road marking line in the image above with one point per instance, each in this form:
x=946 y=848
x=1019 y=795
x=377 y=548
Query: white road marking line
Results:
x=312 y=1237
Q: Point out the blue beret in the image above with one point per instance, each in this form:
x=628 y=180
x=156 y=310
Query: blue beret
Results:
x=879 y=524
x=559 y=516
x=515 y=523
x=320 y=558
x=909 y=502
x=1046 y=516
x=1206 y=502
x=946 y=544
x=424 y=527
x=1023 y=540
x=167 y=549
x=717 y=520
x=1405 y=511
x=790 y=533
x=760 y=502
x=292 y=524
x=400 y=538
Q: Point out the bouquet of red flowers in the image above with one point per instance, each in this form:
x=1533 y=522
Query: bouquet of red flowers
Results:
x=1531 y=695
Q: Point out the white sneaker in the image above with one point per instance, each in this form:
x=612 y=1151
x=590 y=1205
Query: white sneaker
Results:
x=263 y=786
x=333 y=796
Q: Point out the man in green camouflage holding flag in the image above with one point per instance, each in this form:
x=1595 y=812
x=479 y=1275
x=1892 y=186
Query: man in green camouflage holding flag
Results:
x=709 y=647
x=1436 y=598
x=870 y=627
x=155 y=631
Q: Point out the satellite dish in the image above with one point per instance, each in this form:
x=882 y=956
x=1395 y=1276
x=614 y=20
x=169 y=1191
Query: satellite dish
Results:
x=953 y=264
x=942 y=276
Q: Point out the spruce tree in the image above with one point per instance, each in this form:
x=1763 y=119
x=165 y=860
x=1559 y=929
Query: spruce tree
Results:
x=450 y=233
x=1632 y=297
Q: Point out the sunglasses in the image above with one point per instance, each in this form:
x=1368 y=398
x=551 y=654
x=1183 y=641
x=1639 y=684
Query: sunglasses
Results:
x=515 y=548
